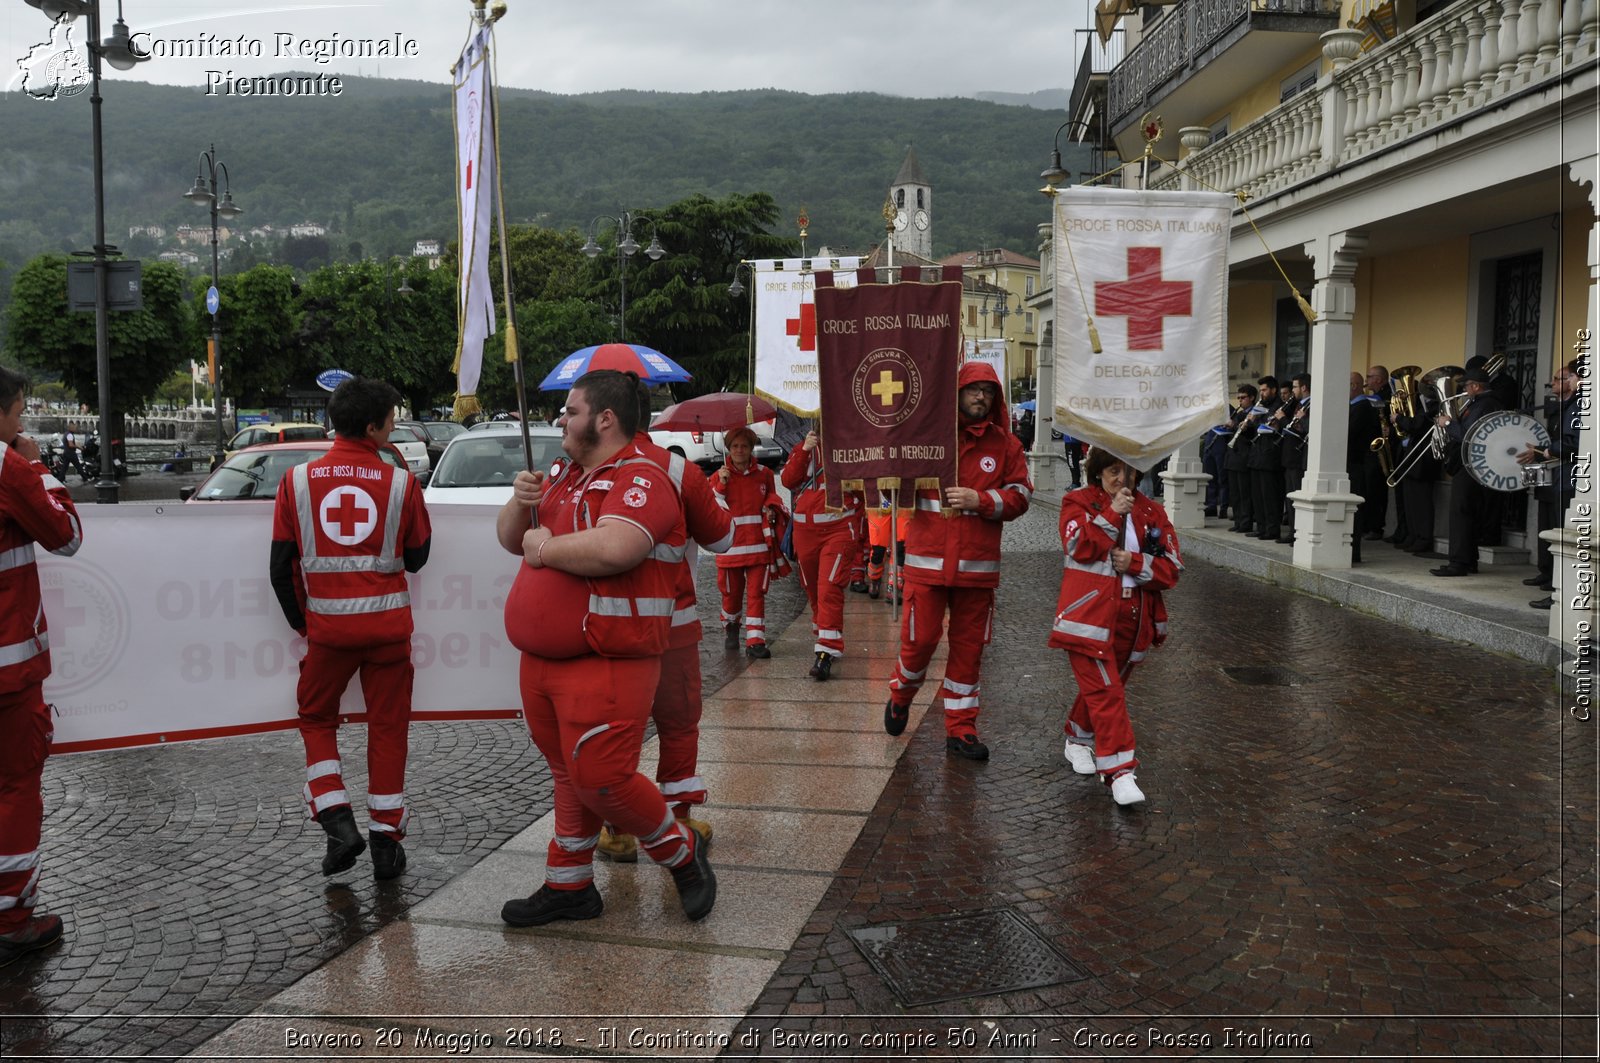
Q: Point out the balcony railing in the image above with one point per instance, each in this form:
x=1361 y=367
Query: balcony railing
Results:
x=1460 y=62
x=1186 y=32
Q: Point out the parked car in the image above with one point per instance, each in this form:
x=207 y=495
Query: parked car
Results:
x=253 y=475
x=439 y=434
x=705 y=448
x=413 y=443
x=276 y=432
x=479 y=465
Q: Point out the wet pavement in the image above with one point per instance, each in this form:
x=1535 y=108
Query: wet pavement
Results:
x=1390 y=853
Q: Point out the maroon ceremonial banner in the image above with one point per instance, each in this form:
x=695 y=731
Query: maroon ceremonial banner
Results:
x=887 y=359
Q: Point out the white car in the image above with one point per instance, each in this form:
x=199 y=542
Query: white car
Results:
x=478 y=466
x=705 y=448
x=413 y=446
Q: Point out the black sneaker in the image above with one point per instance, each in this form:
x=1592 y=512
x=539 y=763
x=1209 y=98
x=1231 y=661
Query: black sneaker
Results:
x=859 y=586
x=344 y=841
x=388 y=856
x=697 y=884
x=822 y=666
x=548 y=905
x=966 y=746
x=757 y=650
x=39 y=932
x=895 y=717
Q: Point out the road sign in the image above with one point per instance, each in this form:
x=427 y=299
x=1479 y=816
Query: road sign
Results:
x=213 y=300
x=329 y=379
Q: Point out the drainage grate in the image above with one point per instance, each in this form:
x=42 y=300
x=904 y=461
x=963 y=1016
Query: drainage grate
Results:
x=932 y=961
x=1270 y=676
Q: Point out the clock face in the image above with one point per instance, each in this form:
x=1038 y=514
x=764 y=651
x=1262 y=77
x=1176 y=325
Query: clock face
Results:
x=922 y=219
x=900 y=221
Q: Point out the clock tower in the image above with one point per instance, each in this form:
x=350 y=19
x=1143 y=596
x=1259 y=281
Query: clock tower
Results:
x=912 y=198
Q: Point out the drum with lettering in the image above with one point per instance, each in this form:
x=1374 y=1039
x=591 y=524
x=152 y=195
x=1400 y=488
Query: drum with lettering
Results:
x=1489 y=451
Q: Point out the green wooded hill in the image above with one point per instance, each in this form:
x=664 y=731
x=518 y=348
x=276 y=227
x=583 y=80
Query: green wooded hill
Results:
x=375 y=164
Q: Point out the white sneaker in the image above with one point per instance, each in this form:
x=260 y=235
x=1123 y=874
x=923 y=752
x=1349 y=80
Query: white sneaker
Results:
x=1125 y=790
x=1081 y=759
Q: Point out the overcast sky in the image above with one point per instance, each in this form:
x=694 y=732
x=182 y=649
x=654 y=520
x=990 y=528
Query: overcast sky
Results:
x=931 y=48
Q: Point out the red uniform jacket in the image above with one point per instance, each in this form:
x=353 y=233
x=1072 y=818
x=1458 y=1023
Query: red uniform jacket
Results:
x=961 y=548
x=1086 y=611
x=34 y=508
x=748 y=497
x=705 y=521
x=356 y=525
x=811 y=505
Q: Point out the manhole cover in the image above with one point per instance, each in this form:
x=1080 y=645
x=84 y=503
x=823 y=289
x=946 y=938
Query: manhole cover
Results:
x=931 y=961
x=1272 y=676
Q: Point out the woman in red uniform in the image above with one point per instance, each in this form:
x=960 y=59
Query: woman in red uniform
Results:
x=1121 y=553
x=824 y=544
x=749 y=492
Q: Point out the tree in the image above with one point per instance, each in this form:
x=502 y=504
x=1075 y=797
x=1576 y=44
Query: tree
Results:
x=146 y=345
x=258 y=320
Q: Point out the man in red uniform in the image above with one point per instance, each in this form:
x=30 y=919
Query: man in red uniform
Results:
x=591 y=610
x=677 y=707
x=347 y=529
x=825 y=546
x=34 y=508
x=953 y=561
x=747 y=489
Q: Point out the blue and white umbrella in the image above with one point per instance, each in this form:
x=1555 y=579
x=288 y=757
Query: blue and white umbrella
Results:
x=652 y=366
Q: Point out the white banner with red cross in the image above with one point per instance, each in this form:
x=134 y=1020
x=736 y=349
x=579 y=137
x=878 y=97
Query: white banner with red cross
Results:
x=1143 y=276
x=785 y=326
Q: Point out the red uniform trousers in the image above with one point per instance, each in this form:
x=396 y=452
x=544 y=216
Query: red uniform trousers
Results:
x=386 y=676
x=744 y=589
x=676 y=711
x=25 y=732
x=587 y=715
x=971 y=626
x=824 y=560
x=1099 y=716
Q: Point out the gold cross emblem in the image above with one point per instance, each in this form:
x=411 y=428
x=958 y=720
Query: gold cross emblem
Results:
x=887 y=387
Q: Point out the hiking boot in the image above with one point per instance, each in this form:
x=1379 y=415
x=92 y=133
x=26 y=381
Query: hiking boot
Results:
x=859 y=586
x=616 y=847
x=39 y=932
x=730 y=636
x=874 y=588
x=700 y=827
x=966 y=746
x=388 y=856
x=547 y=905
x=697 y=884
x=344 y=841
x=895 y=717
x=823 y=665
x=758 y=651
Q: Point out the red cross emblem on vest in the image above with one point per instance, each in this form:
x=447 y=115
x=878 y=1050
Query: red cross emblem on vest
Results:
x=1145 y=299
x=804 y=326
x=348 y=515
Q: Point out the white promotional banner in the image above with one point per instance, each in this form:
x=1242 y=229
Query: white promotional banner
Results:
x=1147 y=271
x=992 y=352
x=786 y=328
x=164 y=626
x=475 y=184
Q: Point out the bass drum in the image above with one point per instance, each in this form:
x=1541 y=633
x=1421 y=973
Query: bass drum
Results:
x=1489 y=451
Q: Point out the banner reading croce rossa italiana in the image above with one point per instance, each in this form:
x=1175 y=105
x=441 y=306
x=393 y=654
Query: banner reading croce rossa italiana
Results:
x=1148 y=273
x=786 y=328
x=888 y=357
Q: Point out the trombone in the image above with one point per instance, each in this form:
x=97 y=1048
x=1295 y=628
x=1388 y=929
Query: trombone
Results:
x=1446 y=381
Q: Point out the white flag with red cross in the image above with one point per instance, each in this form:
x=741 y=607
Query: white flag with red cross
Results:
x=785 y=324
x=1146 y=272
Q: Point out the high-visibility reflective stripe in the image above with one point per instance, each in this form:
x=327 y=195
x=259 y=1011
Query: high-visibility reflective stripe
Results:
x=755 y=623
x=382 y=827
x=1115 y=760
x=18 y=862
x=721 y=544
x=977 y=566
x=590 y=733
x=604 y=606
x=391 y=519
x=825 y=633
x=1105 y=676
x=958 y=704
x=576 y=845
x=823 y=518
x=17 y=557
x=1022 y=489
x=380 y=603
x=1101 y=567
x=1081 y=602
x=25 y=896
x=329 y=800
x=749 y=518
x=930 y=504
x=686 y=615
x=385 y=802
x=51 y=483
x=25 y=650
x=1067 y=627
x=676 y=463
x=300 y=483
x=1161 y=627
x=1135 y=656
x=960 y=688
x=692 y=785
x=670 y=555
x=1106 y=526
x=740 y=551
x=580 y=873
x=70 y=547
x=359 y=563
x=909 y=676
x=321 y=768
x=920 y=561
x=833 y=572
x=999 y=503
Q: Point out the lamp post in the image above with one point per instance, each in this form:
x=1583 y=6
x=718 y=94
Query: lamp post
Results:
x=627 y=247
x=205 y=191
x=116 y=51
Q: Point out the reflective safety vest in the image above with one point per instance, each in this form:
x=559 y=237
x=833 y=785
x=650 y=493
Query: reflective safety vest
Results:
x=34 y=508
x=347 y=521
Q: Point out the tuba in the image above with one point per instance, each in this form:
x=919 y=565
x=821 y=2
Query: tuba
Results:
x=1443 y=387
x=1403 y=402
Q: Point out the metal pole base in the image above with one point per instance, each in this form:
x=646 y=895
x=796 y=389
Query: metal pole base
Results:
x=105 y=492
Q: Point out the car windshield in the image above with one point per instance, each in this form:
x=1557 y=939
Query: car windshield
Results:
x=444 y=431
x=492 y=461
x=405 y=434
x=303 y=433
x=253 y=474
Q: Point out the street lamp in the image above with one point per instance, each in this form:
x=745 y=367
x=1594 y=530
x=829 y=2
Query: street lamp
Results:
x=116 y=51
x=1055 y=174
x=627 y=247
x=205 y=191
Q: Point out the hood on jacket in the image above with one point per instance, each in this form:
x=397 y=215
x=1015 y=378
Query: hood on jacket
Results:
x=976 y=372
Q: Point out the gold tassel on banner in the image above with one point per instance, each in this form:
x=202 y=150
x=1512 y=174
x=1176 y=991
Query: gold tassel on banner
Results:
x=466 y=406
x=511 y=341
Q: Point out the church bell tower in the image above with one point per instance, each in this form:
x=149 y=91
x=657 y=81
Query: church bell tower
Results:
x=912 y=198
